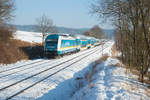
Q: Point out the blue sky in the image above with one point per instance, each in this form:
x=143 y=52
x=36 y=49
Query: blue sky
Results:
x=66 y=13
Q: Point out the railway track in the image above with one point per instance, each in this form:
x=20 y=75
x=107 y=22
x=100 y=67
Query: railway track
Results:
x=51 y=67
x=46 y=77
x=26 y=67
x=84 y=55
x=20 y=66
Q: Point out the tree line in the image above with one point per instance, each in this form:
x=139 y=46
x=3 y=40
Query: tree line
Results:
x=132 y=35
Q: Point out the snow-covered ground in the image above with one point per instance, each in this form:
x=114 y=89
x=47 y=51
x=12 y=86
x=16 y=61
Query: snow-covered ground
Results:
x=32 y=37
x=50 y=88
x=112 y=83
x=109 y=83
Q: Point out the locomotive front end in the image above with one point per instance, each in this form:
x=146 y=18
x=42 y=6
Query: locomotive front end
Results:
x=51 y=44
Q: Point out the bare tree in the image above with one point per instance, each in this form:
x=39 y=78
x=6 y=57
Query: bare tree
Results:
x=6 y=9
x=45 y=25
x=132 y=21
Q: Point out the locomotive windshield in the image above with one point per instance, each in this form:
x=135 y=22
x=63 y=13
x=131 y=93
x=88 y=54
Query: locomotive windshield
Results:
x=51 y=42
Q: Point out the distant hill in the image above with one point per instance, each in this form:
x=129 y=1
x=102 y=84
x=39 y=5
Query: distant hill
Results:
x=32 y=28
x=72 y=30
x=28 y=28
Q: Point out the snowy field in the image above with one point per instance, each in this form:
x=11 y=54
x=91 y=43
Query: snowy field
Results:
x=32 y=37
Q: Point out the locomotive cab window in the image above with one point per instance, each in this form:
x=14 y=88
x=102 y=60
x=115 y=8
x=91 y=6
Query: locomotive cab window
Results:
x=51 y=42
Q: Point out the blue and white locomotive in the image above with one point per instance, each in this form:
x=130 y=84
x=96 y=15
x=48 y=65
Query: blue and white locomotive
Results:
x=58 y=44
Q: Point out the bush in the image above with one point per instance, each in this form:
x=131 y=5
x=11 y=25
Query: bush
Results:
x=10 y=52
x=6 y=33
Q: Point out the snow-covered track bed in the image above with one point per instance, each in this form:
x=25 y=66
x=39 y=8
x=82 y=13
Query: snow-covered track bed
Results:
x=47 y=76
x=30 y=67
x=33 y=66
x=34 y=73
